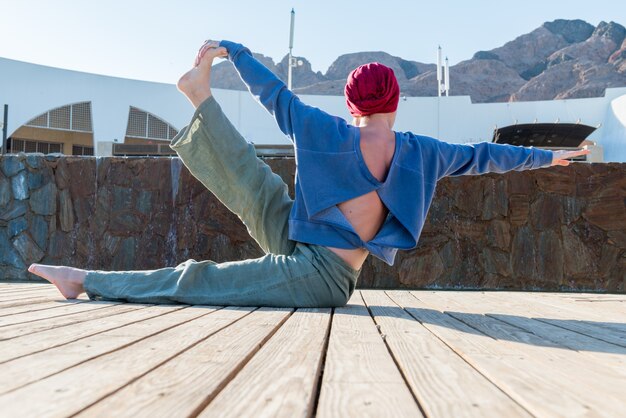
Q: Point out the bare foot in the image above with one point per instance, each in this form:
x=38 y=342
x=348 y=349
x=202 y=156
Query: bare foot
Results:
x=196 y=83
x=68 y=280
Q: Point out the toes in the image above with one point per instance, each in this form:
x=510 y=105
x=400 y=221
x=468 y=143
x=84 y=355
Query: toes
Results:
x=45 y=272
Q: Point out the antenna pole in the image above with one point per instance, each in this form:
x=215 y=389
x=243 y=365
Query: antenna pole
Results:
x=290 y=60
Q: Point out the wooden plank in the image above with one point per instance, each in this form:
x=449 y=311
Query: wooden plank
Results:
x=29 y=369
x=30 y=301
x=7 y=291
x=119 y=315
x=62 y=309
x=438 y=377
x=360 y=376
x=281 y=379
x=578 y=368
x=598 y=307
x=608 y=314
x=513 y=311
x=15 y=296
x=186 y=383
x=16 y=330
x=4 y=286
x=78 y=387
x=572 y=320
x=34 y=307
x=539 y=392
x=538 y=388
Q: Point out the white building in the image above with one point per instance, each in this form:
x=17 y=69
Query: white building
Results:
x=57 y=110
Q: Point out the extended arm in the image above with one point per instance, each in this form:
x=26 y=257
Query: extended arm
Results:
x=271 y=92
x=485 y=157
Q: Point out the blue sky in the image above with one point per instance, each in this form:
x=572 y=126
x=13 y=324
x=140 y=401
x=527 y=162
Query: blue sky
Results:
x=156 y=39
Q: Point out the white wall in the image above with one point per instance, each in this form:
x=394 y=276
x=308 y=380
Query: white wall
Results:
x=34 y=89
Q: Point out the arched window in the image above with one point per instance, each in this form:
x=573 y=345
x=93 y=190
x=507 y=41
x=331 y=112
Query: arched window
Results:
x=66 y=129
x=144 y=125
x=73 y=117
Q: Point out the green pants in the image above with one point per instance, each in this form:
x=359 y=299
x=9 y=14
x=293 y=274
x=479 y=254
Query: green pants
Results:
x=291 y=274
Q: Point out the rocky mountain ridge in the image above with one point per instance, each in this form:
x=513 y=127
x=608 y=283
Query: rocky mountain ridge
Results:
x=561 y=59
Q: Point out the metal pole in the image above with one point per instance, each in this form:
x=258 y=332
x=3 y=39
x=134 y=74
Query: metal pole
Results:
x=5 y=122
x=290 y=60
x=439 y=63
x=446 y=78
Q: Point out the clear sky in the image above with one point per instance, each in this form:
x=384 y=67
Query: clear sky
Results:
x=156 y=40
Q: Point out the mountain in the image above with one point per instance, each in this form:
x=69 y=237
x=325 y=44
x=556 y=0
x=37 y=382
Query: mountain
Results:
x=561 y=59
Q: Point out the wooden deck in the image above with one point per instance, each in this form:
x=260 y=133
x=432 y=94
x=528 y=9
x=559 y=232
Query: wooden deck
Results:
x=388 y=353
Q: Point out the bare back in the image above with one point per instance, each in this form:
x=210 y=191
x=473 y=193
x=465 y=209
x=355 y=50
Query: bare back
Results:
x=367 y=213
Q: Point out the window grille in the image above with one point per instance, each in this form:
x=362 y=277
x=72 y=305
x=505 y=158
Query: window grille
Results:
x=74 y=117
x=23 y=145
x=40 y=121
x=81 y=117
x=60 y=118
x=137 y=123
x=81 y=150
x=145 y=125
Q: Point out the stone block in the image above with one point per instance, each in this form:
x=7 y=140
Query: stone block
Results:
x=465 y=192
x=39 y=231
x=84 y=209
x=468 y=229
x=556 y=180
x=14 y=210
x=61 y=245
x=524 y=254
x=5 y=192
x=35 y=180
x=122 y=199
x=421 y=269
x=144 y=202
x=495 y=199
x=546 y=212
x=111 y=243
x=520 y=183
x=609 y=259
x=44 y=201
x=28 y=250
x=8 y=254
x=35 y=159
x=578 y=258
x=499 y=235
x=124 y=259
x=62 y=176
x=550 y=258
x=519 y=208
x=496 y=262
x=82 y=172
x=126 y=223
x=617 y=238
x=19 y=185
x=607 y=211
x=16 y=226
x=11 y=164
x=66 y=211
x=572 y=208
x=12 y=273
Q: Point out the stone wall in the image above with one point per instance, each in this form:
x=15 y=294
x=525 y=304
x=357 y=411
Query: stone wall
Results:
x=550 y=229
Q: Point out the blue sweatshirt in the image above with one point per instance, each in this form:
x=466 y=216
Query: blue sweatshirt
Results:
x=330 y=168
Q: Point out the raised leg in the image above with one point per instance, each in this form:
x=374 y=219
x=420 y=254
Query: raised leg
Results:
x=218 y=156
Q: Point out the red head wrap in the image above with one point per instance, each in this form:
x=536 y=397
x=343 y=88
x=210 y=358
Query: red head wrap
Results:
x=372 y=88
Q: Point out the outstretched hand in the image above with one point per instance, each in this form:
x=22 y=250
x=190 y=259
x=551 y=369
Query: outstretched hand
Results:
x=209 y=51
x=561 y=157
